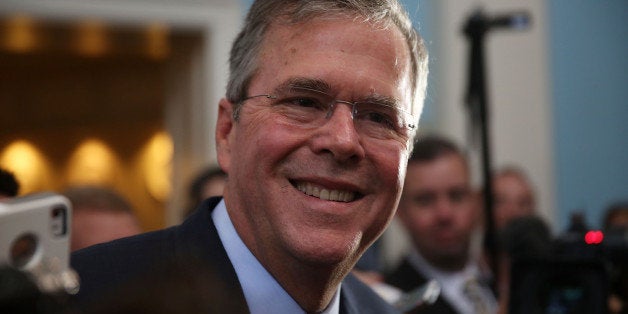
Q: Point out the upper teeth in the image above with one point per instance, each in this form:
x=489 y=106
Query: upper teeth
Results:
x=325 y=194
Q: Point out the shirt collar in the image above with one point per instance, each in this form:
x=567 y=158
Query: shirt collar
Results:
x=262 y=292
x=451 y=281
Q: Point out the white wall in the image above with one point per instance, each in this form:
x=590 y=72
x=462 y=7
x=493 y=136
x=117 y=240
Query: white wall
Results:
x=518 y=87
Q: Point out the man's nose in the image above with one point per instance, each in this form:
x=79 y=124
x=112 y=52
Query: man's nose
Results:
x=338 y=134
x=444 y=208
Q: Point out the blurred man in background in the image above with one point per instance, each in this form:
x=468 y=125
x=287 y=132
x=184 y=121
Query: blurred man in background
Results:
x=441 y=212
x=9 y=186
x=615 y=225
x=207 y=183
x=513 y=196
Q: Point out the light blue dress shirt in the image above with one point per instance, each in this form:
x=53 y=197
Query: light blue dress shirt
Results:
x=263 y=293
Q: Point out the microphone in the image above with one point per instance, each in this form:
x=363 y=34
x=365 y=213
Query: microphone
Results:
x=517 y=21
x=479 y=23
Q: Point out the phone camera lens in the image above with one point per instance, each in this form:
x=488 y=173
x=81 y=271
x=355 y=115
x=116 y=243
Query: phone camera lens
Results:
x=23 y=249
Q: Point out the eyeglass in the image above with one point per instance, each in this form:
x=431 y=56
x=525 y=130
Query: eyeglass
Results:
x=310 y=108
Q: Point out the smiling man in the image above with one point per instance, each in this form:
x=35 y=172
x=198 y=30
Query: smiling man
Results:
x=314 y=134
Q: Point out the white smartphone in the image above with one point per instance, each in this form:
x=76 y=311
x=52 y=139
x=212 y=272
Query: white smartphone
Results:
x=35 y=238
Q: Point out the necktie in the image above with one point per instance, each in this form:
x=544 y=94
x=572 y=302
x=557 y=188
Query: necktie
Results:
x=473 y=291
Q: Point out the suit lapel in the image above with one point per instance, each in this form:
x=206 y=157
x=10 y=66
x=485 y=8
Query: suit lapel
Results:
x=198 y=234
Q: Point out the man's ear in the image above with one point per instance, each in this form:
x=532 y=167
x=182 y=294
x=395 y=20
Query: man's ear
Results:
x=224 y=134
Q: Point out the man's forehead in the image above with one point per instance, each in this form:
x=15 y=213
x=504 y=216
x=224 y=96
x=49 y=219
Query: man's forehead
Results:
x=290 y=42
x=380 y=63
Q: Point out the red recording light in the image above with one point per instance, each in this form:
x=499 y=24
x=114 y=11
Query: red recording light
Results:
x=593 y=237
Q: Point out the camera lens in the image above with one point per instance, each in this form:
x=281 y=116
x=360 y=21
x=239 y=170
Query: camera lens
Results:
x=59 y=217
x=23 y=249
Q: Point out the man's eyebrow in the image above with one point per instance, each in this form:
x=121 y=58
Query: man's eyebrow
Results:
x=303 y=82
x=324 y=87
x=382 y=100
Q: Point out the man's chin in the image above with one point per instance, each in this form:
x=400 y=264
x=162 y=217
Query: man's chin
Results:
x=331 y=256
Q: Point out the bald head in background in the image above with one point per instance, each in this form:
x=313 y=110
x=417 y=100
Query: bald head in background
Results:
x=513 y=196
x=99 y=215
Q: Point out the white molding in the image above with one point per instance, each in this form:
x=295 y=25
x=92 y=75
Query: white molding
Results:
x=178 y=14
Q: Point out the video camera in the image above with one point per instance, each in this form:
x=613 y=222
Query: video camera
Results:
x=573 y=273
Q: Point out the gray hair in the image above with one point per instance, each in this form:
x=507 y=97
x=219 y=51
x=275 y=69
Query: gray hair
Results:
x=243 y=61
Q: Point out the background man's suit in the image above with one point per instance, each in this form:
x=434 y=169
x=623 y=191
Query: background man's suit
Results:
x=194 y=249
x=407 y=278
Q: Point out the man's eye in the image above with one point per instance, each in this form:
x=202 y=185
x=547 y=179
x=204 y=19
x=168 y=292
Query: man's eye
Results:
x=378 y=115
x=306 y=102
x=458 y=195
x=381 y=118
x=424 y=200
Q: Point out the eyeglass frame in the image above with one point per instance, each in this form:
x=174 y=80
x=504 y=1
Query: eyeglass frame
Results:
x=332 y=104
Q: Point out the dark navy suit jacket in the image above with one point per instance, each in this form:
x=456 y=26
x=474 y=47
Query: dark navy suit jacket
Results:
x=196 y=253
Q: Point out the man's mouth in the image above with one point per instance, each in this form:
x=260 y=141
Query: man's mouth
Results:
x=325 y=194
